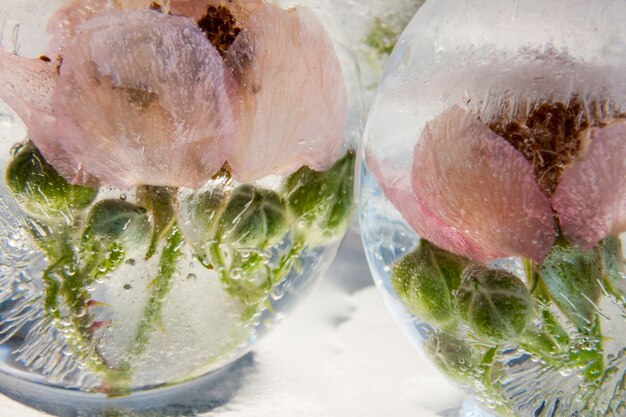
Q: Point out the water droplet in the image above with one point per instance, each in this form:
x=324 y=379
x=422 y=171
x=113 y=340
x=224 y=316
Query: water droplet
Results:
x=123 y=197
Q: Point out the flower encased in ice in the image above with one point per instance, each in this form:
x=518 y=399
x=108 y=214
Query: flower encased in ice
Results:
x=474 y=193
x=135 y=93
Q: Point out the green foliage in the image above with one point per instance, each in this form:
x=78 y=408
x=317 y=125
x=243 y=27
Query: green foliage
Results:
x=116 y=221
x=39 y=188
x=253 y=218
x=159 y=201
x=495 y=304
x=114 y=229
x=425 y=280
x=386 y=29
x=612 y=254
x=498 y=312
x=383 y=35
x=572 y=277
x=454 y=357
x=201 y=212
x=232 y=230
x=161 y=286
x=323 y=201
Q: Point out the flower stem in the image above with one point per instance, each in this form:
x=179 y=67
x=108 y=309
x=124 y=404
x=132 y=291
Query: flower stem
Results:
x=288 y=260
x=64 y=278
x=161 y=286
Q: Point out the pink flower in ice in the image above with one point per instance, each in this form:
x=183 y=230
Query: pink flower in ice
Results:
x=591 y=198
x=473 y=193
x=144 y=94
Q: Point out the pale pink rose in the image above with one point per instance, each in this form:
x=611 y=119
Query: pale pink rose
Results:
x=472 y=193
x=141 y=96
x=591 y=197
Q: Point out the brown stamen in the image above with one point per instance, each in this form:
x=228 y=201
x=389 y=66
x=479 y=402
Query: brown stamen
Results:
x=220 y=27
x=59 y=64
x=549 y=137
x=156 y=7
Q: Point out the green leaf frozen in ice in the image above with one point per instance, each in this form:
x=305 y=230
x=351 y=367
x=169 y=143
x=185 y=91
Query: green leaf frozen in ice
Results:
x=200 y=214
x=494 y=303
x=322 y=202
x=573 y=279
x=114 y=229
x=118 y=221
x=454 y=357
x=614 y=264
x=39 y=188
x=253 y=218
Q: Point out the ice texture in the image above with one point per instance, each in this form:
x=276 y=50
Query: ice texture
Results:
x=591 y=198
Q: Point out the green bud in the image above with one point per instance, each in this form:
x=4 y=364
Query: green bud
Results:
x=425 y=280
x=39 y=188
x=116 y=223
x=494 y=303
x=253 y=218
x=199 y=215
x=573 y=280
x=454 y=357
x=323 y=201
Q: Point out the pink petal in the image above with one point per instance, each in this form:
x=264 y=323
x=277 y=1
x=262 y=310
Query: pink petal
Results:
x=65 y=22
x=472 y=193
x=27 y=86
x=397 y=188
x=143 y=99
x=196 y=9
x=476 y=183
x=591 y=197
x=293 y=99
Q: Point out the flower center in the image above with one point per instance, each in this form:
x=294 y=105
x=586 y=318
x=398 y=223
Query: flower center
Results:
x=220 y=27
x=549 y=137
x=156 y=7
